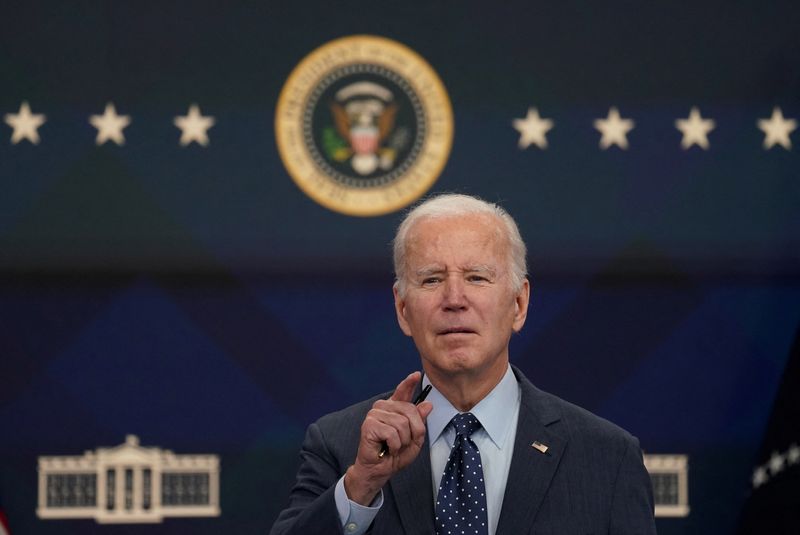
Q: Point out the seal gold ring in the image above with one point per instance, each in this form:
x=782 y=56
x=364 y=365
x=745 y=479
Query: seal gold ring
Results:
x=364 y=125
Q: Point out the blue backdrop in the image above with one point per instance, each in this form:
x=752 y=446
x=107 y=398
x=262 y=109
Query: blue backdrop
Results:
x=196 y=297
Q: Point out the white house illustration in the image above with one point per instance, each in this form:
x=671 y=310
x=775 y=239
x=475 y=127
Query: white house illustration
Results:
x=670 y=477
x=128 y=484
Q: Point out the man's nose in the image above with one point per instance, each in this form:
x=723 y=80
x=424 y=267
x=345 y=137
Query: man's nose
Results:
x=454 y=297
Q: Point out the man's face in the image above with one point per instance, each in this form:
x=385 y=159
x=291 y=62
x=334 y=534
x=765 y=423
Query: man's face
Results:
x=459 y=306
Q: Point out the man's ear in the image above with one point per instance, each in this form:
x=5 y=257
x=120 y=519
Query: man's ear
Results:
x=521 y=306
x=400 y=310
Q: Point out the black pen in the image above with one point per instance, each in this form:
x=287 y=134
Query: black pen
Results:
x=419 y=399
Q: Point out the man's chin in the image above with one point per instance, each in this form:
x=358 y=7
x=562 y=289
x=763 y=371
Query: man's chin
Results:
x=457 y=362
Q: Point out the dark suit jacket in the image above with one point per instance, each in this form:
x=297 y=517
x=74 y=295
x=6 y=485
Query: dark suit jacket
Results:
x=590 y=481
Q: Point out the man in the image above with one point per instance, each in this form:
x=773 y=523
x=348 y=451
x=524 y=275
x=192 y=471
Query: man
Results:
x=487 y=453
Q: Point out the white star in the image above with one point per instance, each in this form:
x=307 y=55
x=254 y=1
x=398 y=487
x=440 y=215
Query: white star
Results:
x=695 y=129
x=194 y=126
x=109 y=125
x=760 y=476
x=25 y=124
x=614 y=129
x=793 y=454
x=776 y=463
x=777 y=129
x=532 y=129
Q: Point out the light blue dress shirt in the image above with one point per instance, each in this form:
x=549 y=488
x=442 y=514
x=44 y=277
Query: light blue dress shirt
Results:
x=498 y=413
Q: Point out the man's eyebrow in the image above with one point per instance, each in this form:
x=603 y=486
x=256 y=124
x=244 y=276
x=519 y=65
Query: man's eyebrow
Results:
x=482 y=268
x=429 y=270
x=435 y=270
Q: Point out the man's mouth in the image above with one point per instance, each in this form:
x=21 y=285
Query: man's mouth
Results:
x=456 y=330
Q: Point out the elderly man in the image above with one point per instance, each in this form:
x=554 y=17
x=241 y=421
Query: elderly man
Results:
x=487 y=452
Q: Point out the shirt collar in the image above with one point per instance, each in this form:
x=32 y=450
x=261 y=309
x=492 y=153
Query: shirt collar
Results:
x=492 y=411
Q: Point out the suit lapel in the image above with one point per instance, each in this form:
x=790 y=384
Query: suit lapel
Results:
x=413 y=493
x=531 y=470
x=529 y=475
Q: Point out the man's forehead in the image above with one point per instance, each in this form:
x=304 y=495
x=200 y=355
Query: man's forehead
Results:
x=470 y=241
x=432 y=227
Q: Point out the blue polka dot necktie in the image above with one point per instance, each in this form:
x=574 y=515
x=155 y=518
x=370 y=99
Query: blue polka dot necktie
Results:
x=461 y=502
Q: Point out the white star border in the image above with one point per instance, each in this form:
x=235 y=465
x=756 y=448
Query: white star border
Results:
x=614 y=129
x=110 y=125
x=25 y=124
x=194 y=126
x=532 y=129
x=777 y=130
x=695 y=129
x=778 y=462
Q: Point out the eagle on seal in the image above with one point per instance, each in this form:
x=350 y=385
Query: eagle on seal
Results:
x=365 y=122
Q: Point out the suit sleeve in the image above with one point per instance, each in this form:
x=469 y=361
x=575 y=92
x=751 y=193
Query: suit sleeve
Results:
x=632 y=507
x=312 y=506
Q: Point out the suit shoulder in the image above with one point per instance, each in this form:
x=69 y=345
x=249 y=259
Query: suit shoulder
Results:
x=583 y=421
x=579 y=423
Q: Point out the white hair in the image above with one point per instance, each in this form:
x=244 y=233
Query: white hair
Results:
x=456 y=205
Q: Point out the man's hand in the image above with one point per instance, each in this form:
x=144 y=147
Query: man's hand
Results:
x=401 y=425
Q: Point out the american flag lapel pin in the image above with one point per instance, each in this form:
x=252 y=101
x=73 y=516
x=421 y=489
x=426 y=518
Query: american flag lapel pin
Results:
x=539 y=446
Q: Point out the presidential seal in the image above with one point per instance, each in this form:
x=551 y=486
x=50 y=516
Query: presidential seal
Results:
x=364 y=125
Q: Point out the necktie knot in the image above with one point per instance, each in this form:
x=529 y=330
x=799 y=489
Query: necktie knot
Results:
x=465 y=424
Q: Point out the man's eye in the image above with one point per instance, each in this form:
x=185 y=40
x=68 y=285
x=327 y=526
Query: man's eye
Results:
x=430 y=280
x=477 y=278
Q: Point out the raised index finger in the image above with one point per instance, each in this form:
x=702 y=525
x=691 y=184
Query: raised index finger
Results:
x=405 y=390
